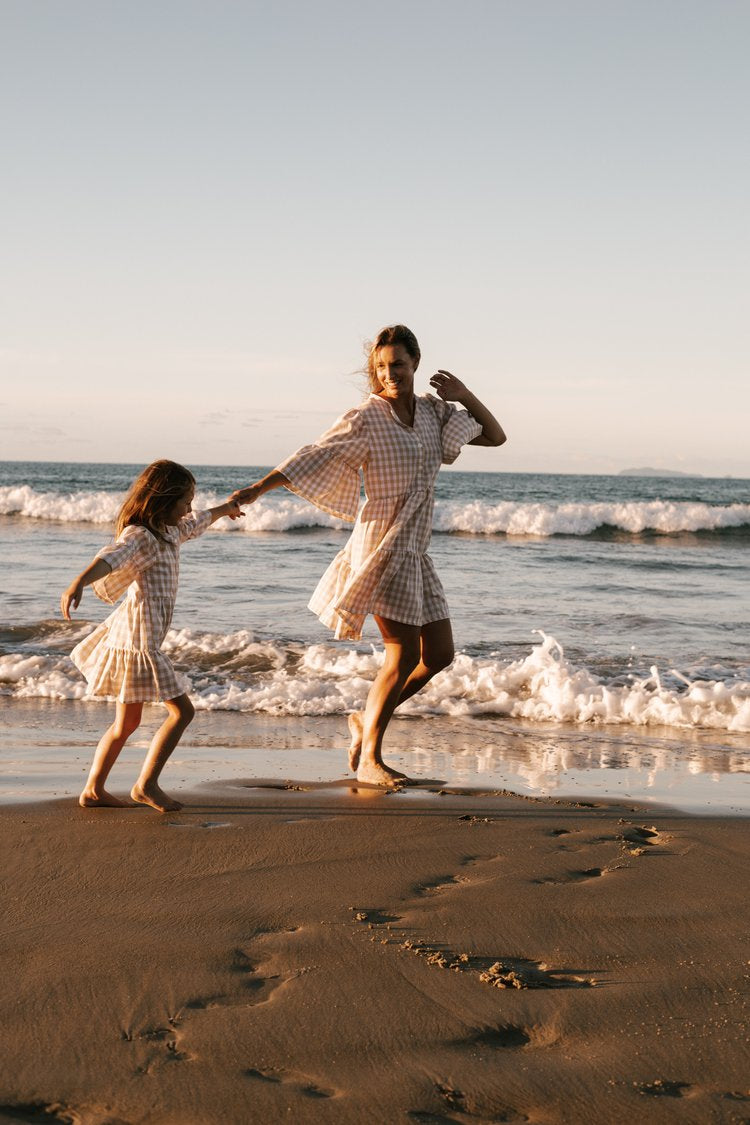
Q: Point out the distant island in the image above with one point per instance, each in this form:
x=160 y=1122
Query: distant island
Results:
x=655 y=473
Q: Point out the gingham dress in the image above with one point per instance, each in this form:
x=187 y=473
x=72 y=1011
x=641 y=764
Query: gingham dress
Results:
x=384 y=568
x=122 y=656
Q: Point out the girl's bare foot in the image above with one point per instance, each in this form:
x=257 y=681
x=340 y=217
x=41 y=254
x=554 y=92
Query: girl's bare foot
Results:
x=376 y=773
x=355 y=729
x=90 y=799
x=151 y=794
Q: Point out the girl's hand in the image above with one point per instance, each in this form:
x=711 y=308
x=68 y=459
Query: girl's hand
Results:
x=71 y=599
x=232 y=509
x=248 y=495
x=448 y=387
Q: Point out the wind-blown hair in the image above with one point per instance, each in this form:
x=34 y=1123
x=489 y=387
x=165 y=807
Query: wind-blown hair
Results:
x=152 y=494
x=389 y=337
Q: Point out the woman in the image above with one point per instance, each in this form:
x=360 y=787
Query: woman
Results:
x=399 y=440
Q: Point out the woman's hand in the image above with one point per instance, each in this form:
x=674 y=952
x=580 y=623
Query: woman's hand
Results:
x=248 y=495
x=71 y=599
x=452 y=389
x=448 y=387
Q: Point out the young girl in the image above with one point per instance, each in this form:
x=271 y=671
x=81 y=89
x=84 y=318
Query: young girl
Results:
x=123 y=657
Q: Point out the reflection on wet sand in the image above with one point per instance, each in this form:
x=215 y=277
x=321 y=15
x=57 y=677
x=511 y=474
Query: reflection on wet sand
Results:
x=46 y=744
x=565 y=761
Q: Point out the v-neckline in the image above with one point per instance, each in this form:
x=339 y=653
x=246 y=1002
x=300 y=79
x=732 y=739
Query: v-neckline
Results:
x=394 y=415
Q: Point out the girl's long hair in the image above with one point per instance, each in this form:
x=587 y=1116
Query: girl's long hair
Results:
x=152 y=494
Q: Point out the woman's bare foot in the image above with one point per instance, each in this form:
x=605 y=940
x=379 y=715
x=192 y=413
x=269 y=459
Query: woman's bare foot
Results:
x=355 y=722
x=151 y=794
x=376 y=773
x=90 y=799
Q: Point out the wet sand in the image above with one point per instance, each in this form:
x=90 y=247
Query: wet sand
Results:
x=328 y=953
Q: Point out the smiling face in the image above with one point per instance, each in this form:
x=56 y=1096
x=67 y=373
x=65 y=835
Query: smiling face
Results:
x=180 y=508
x=394 y=371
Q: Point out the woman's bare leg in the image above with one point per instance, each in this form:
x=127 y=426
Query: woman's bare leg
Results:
x=94 y=795
x=146 y=789
x=436 y=653
x=402 y=650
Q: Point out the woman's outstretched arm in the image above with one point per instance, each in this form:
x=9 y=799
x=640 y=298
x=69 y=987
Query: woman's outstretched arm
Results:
x=452 y=389
x=253 y=492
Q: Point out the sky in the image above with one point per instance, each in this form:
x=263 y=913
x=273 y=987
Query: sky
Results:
x=208 y=207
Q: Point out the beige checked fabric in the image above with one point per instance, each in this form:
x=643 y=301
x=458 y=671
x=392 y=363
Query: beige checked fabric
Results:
x=122 y=657
x=384 y=568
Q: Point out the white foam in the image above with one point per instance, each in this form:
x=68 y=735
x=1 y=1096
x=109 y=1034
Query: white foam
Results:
x=286 y=513
x=236 y=672
x=510 y=518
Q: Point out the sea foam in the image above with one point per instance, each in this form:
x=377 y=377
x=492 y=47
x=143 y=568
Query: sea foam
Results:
x=284 y=513
x=239 y=672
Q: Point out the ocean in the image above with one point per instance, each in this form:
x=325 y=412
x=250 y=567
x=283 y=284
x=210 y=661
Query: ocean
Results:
x=589 y=612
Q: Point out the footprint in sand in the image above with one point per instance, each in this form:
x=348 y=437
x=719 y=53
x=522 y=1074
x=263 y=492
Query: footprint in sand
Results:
x=466 y=1106
x=663 y=1088
x=510 y=1037
x=571 y=877
x=513 y=972
x=435 y=886
x=156 y=1046
x=38 y=1111
x=299 y=1082
x=256 y=988
x=373 y=917
x=506 y=1036
x=636 y=839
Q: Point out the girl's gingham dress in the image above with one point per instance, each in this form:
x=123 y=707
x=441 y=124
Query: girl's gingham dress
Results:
x=122 y=656
x=384 y=568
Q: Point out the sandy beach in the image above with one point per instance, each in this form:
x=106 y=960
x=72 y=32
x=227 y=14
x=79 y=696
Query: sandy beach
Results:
x=333 y=953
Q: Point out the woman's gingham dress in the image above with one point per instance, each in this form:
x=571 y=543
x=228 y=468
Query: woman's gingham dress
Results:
x=122 y=656
x=384 y=568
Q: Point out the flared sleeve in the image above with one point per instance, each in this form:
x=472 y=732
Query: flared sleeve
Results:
x=327 y=472
x=135 y=551
x=190 y=527
x=458 y=427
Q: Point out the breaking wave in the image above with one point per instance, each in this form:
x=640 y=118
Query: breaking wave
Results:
x=241 y=672
x=478 y=517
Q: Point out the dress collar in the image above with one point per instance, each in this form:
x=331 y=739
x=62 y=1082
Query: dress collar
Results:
x=384 y=402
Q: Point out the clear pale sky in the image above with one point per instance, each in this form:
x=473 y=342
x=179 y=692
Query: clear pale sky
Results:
x=208 y=206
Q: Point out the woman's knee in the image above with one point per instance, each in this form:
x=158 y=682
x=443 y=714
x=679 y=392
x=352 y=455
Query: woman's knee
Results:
x=439 y=658
x=181 y=710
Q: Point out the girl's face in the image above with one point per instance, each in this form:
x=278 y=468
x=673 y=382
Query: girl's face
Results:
x=180 y=508
x=395 y=368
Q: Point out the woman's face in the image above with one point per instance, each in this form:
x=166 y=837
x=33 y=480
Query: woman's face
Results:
x=394 y=370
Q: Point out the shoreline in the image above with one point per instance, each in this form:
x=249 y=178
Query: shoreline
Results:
x=323 y=954
x=46 y=747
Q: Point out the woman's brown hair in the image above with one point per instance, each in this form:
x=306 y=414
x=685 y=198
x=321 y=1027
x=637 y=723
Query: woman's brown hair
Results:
x=152 y=494
x=389 y=337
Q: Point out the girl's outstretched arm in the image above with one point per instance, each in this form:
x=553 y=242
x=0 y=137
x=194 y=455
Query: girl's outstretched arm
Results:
x=452 y=389
x=71 y=599
x=253 y=492
x=229 y=508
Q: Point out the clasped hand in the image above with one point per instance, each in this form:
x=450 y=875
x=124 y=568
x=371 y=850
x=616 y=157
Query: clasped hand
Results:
x=247 y=495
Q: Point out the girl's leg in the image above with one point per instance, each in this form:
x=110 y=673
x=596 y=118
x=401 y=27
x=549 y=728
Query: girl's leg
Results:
x=94 y=795
x=402 y=656
x=435 y=653
x=146 y=789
